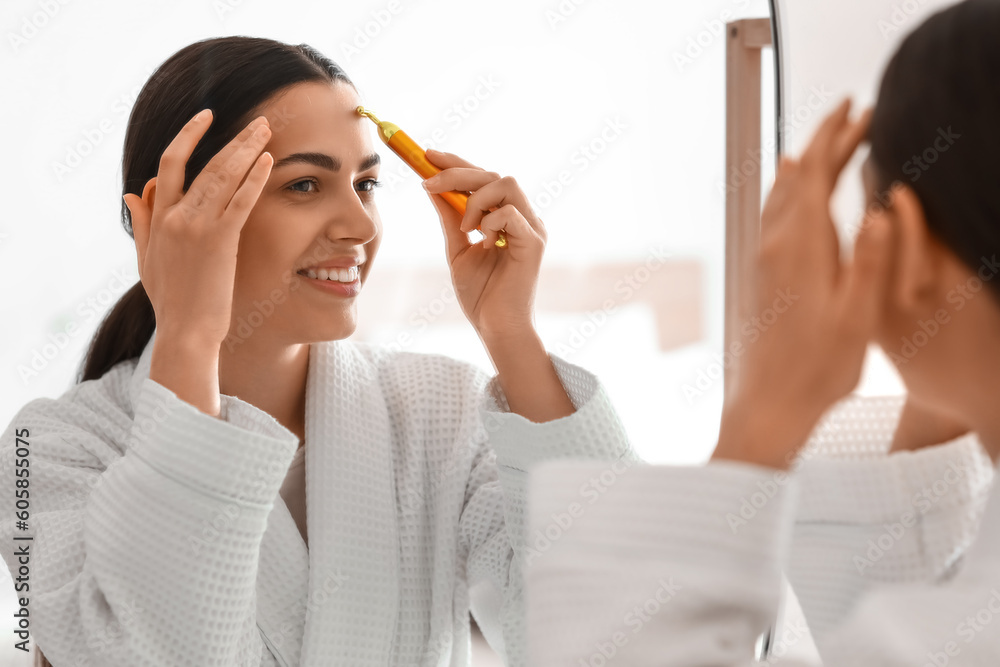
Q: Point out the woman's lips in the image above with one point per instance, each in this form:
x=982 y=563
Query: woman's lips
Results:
x=335 y=287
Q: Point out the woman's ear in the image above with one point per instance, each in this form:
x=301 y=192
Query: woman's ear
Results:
x=149 y=192
x=918 y=260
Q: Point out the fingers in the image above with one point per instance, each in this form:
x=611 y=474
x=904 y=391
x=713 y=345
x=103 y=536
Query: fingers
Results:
x=140 y=223
x=461 y=179
x=455 y=239
x=446 y=160
x=834 y=143
x=508 y=219
x=491 y=194
x=149 y=193
x=819 y=147
x=175 y=157
x=141 y=212
x=866 y=282
x=494 y=195
x=913 y=237
x=214 y=187
x=800 y=197
x=848 y=140
x=243 y=201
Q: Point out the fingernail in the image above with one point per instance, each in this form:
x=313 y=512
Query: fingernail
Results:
x=429 y=183
x=201 y=115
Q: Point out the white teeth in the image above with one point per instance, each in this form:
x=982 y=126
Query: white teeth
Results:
x=338 y=275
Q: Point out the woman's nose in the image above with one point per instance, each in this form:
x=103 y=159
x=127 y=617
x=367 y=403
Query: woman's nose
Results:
x=354 y=220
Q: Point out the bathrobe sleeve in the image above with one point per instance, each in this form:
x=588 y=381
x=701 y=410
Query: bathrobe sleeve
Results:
x=151 y=559
x=492 y=521
x=682 y=567
x=669 y=567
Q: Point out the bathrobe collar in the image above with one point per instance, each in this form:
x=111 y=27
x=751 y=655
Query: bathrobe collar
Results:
x=337 y=601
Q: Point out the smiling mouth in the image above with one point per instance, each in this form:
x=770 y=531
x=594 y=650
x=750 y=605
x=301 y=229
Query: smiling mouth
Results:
x=334 y=275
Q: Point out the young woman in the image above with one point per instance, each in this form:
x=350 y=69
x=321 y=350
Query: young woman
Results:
x=169 y=489
x=883 y=550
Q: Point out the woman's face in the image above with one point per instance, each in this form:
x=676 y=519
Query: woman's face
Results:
x=316 y=210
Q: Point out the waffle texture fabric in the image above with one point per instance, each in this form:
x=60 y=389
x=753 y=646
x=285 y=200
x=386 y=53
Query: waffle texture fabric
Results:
x=682 y=566
x=159 y=536
x=293 y=492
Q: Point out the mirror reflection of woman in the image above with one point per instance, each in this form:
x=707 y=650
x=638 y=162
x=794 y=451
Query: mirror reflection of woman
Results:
x=169 y=487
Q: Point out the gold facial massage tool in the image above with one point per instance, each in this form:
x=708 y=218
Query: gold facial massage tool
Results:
x=412 y=154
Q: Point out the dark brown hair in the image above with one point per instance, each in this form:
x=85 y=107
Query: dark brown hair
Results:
x=934 y=127
x=232 y=76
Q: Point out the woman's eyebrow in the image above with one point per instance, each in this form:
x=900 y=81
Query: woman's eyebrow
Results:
x=324 y=161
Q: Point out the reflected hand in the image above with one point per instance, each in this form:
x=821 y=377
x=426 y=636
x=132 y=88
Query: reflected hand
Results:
x=812 y=355
x=495 y=286
x=186 y=242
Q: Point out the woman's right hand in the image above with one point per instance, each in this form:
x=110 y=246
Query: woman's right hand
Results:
x=187 y=243
x=823 y=312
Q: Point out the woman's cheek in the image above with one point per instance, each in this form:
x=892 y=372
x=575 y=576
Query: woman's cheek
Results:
x=292 y=280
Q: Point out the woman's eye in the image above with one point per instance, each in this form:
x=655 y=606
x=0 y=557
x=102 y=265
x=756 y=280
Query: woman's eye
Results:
x=310 y=185
x=368 y=185
x=295 y=187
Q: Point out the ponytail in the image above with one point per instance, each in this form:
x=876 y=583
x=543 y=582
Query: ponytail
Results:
x=122 y=335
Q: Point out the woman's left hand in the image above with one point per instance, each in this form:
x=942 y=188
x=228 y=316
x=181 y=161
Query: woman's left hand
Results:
x=495 y=286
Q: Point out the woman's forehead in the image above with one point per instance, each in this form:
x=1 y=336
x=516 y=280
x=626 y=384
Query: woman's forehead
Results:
x=315 y=115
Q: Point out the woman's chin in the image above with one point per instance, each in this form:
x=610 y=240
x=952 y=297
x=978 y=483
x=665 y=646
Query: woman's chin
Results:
x=335 y=331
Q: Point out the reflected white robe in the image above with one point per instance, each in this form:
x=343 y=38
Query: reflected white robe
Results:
x=160 y=537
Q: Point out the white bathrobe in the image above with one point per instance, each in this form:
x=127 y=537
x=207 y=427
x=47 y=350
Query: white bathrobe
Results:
x=682 y=566
x=160 y=538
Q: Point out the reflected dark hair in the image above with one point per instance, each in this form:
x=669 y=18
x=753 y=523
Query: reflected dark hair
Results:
x=232 y=76
x=934 y=127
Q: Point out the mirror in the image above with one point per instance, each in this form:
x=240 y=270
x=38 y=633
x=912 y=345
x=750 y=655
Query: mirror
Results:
x=611 y=116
